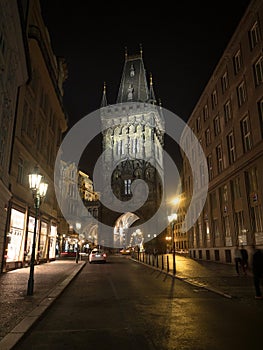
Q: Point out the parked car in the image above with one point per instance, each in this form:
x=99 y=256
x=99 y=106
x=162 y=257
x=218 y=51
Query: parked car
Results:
x=97 y=255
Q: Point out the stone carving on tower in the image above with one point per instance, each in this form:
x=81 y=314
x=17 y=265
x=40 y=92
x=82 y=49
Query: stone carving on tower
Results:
x=133 y=139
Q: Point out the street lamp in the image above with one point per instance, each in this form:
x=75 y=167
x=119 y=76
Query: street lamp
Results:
x=171 y=219
x=39 y=190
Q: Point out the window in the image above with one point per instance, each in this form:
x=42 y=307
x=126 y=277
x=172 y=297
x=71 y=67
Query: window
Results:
x=254 y=35
x=239 y=218
x=246 y=134
x=227 y=111
x=214 y=98
x=207 y=137
x=258 y=71
x=120 y=147
x=236 y=189
x=217 y=128
x=260 y=112
x=205 y=112
x=127 y=186
x=224 y=82
x=227 y=226
x=198 y=124
x=252 y=179
x=219 y=157
x=257 y=221
x=241 y=93
x=237 y=61
x=231 y=148
x=210 y=166
x=224 y=195
x=20 y=171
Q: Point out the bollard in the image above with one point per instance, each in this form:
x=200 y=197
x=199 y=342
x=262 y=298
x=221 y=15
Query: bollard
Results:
x=162 y=262
x=157 y=262
x=167 y=261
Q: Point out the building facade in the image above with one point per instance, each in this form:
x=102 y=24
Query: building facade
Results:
x=76 y=233
x=13 y=74
x=228 y=122
x=132 y=146
x=40 y=121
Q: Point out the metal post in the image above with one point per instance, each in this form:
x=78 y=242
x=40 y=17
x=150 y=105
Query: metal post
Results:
x=30 y=285
x=174 y=265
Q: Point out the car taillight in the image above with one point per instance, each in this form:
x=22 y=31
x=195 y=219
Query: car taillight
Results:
x=104 y=255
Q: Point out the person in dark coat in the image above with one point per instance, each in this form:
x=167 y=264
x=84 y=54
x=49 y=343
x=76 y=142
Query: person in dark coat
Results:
x=244 y=259
x=257 y=269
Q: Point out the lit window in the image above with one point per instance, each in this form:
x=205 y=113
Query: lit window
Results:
x=127 y=186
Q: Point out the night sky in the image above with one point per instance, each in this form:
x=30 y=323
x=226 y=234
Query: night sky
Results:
x=181 y=47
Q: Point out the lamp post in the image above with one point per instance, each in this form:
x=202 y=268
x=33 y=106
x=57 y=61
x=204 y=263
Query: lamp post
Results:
x=171 y=219
x=39 y=190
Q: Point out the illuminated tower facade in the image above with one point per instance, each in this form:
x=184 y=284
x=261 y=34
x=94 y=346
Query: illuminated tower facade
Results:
x=133 y=148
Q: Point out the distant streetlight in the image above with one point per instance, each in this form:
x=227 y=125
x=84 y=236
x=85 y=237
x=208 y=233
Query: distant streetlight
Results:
x=172 y=218
x=39 y=190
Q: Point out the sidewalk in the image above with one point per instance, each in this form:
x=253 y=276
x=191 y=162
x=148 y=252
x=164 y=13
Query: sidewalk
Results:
x=216 y=277
x=17 y=310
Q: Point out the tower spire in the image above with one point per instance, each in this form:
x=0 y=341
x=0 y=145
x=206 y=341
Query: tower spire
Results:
x=141 y=50
x=133 y=86
x=152 y=95
x=104 y=102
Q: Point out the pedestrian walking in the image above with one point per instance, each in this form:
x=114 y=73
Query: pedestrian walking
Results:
x=238 y=258
x=257 y=269
x=77 y=255
x=244 y=260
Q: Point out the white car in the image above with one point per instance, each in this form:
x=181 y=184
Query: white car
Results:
x=97 y=255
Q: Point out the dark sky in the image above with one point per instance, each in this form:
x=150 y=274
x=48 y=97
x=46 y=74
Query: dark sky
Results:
x=181 y=47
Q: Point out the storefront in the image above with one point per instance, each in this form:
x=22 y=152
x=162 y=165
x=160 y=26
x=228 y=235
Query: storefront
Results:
x=20 y=240
x=52 y=242
x=15 y=240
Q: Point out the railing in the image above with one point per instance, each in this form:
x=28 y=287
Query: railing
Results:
x=161 y=261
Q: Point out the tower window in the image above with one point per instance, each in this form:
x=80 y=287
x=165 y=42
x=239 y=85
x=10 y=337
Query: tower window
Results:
x=127 y=186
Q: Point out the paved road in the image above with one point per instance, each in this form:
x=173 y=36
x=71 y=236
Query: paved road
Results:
x=18 y=311
x=127 y=305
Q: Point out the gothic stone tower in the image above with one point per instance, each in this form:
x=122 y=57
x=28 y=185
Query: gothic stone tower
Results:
x=133 y=138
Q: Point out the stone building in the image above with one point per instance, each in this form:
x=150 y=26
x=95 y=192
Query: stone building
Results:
x=40 y=121
x=228 y=122
x=75 y=185
x=13 y=74
x=132 y=145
